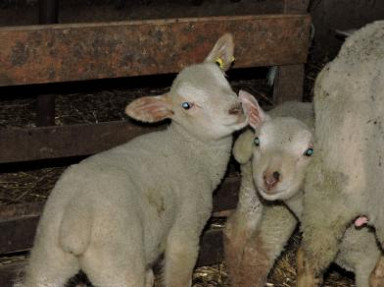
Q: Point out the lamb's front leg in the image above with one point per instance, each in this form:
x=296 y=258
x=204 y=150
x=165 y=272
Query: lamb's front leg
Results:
x=241 y=224
x=236 y=235
x=306 y=275
x=265 y=245
x=180 y=257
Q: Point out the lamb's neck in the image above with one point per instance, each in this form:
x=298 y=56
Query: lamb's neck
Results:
x=198 y=145
x=210 y=156
x=295 y=204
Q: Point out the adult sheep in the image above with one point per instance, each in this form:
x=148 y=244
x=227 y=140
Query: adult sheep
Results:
x=346 y=177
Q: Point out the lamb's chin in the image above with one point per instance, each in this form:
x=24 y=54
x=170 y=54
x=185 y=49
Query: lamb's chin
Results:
x=272 y=196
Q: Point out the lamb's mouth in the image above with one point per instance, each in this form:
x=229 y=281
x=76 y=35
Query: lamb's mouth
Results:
x=241 y=122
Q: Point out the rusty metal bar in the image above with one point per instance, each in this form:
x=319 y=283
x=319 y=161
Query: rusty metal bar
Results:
x=27 y=144
x=74 y=52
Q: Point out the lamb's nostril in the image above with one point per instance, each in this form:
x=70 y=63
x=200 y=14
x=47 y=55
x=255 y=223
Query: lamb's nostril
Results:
x=236 y=109
x=276 y=175
x=271 y=179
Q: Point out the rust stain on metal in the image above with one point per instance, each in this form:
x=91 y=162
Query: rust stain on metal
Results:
x=73 y=52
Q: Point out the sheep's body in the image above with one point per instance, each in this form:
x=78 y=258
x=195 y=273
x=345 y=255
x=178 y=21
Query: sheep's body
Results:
x=265 y=226
x=115 y=213
x=99 y=212
x=345 y=179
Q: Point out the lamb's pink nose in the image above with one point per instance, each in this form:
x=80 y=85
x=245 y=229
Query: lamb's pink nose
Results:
x=271 y=179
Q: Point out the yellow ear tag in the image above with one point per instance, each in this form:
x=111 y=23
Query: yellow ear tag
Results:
x=220 y=63
x=233 y=59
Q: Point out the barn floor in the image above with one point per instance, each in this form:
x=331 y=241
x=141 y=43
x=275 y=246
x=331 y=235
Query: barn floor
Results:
x=105 y=101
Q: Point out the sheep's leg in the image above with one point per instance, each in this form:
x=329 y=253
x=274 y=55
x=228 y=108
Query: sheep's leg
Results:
x=50 y=266
x=236 y=235
x=242 y=224
x=115 y=256
x=254 y=266
x=323 y=222
x=149 y=278
x=264 y=246
x=377 y=276
x=306 y=275
x=370 y=272
x=321 y=244
x=180 y=258
x=116 y=265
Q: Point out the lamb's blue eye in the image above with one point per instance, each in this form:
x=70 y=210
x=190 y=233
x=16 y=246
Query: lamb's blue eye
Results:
x=186 y=105
x=256 y=141
x=309 y=152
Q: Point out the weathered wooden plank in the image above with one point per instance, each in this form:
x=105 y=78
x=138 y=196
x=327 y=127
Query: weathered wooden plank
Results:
x=9 y=273
x=289 y=84
x=18 y=224
x=74 y=52
x=296 y=6
x=25 y=144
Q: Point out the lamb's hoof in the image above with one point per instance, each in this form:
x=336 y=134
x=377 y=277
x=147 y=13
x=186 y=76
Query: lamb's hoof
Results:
x=306 y=277
x=377 y=276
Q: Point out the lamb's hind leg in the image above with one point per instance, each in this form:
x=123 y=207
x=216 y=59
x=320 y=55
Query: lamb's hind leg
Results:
x=115 y=264
x=49 y=266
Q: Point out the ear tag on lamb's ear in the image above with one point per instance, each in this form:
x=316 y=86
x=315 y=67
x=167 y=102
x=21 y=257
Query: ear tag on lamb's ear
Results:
x=221 y=63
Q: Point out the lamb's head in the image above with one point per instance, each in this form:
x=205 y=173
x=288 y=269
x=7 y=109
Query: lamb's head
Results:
x=280 y=150
x=200 y=100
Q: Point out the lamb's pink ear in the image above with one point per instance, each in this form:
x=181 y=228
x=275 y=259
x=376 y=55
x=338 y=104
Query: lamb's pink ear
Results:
x=222 y=52
x=256 y=116
x=150 y=109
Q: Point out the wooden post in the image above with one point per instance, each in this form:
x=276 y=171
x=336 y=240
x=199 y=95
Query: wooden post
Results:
x=289 y=84
x=48 y=14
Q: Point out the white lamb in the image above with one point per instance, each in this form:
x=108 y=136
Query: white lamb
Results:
x=346 y=177
x=115 y=213
x=274 y=160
